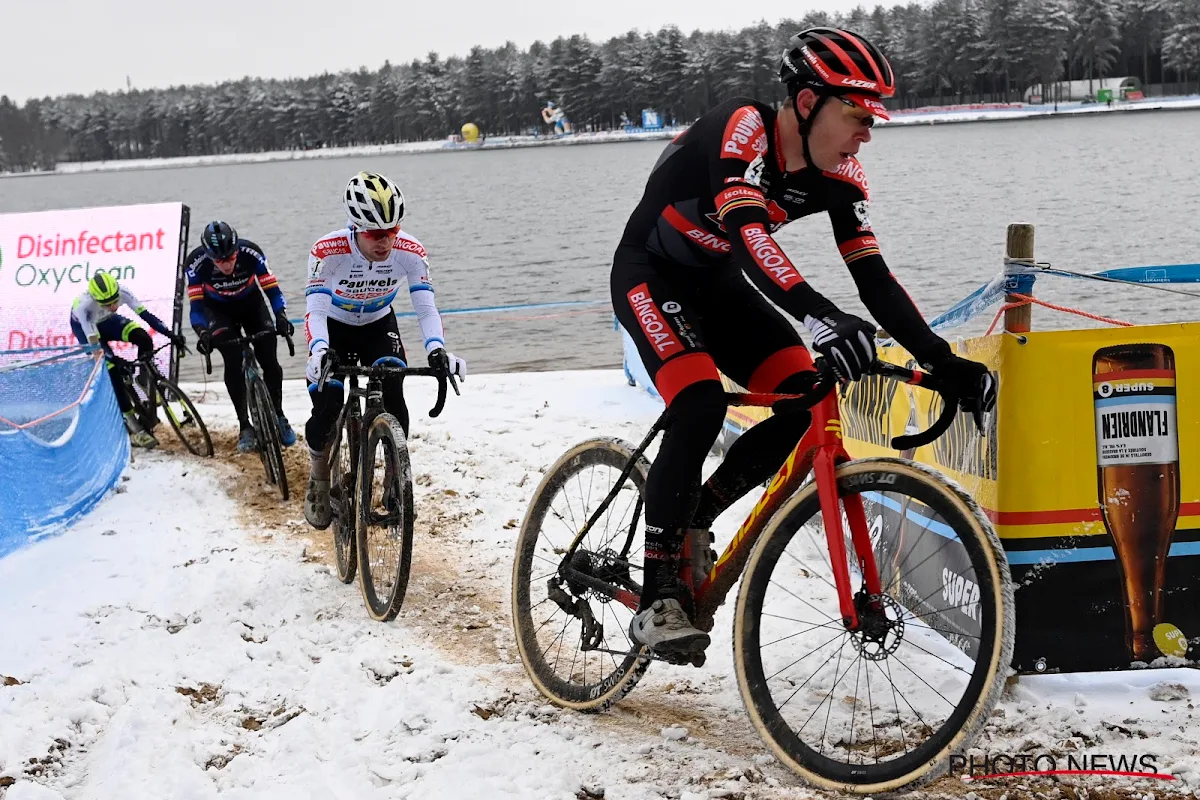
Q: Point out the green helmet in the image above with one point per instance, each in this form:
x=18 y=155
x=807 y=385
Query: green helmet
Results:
x=103 y=288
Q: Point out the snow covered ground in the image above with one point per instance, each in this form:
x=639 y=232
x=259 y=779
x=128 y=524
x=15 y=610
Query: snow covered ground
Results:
x=188 y=640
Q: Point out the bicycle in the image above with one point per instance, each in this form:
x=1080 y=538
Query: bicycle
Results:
x=160 y=391
x=955 y=625
x=366 y=491
x=263 y=417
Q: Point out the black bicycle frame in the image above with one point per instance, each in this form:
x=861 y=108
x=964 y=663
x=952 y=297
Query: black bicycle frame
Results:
x=250 y=364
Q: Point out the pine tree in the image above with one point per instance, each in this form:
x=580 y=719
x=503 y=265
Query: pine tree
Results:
x=1096 y=37
x=1045 y=27
x=1181 y=42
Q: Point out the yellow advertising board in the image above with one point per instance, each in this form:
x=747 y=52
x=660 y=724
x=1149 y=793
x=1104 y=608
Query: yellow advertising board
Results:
x=1085 y=470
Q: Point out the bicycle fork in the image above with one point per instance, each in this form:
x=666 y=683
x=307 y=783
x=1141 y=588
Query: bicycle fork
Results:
x=827 y=435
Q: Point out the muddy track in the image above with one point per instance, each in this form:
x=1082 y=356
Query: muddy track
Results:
x=458 y=600
x=462 y=612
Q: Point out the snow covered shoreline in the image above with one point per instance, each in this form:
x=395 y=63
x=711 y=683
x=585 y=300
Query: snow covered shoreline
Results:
x=920 y=117
x=899 y=118
x=358 y=151
x=188 y=640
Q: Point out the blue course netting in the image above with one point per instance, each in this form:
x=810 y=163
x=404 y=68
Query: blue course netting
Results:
x=62 y=444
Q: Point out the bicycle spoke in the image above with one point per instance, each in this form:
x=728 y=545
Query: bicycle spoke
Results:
x=906 y=701
x=623 y=528
x=871 y=712
x=836 y=680
x=801 y=658
x=604 y=616
x=812 y=571
x=557 y=639
x=805 y=602
x=854 y=707
x=931 y=654
x=895 y=702
x=574 y=657
x=832 y=623
x=798 y=633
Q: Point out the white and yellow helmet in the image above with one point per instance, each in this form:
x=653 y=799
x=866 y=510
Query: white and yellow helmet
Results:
x=373 y=202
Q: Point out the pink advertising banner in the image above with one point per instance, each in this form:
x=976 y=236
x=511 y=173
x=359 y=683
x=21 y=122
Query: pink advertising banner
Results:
x=48 y=257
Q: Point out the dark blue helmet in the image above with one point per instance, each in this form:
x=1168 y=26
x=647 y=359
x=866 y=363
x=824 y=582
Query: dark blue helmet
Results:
x=219 y=239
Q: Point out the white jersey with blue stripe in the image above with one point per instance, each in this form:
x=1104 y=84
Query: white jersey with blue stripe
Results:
x=345 y=286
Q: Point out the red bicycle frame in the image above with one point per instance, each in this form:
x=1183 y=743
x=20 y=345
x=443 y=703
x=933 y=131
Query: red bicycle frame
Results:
x=819 y=451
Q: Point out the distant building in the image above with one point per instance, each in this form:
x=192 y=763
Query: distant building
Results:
x=1068 y=91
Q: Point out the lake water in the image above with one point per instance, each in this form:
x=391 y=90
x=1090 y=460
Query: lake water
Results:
x=540 y=224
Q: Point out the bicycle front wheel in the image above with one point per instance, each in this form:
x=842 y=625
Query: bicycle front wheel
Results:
x=266 y=425
x=886 y=704
x=385 y=517
x=184 y=419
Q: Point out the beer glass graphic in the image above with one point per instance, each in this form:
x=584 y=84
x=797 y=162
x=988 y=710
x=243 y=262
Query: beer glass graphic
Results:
x=1137 y=454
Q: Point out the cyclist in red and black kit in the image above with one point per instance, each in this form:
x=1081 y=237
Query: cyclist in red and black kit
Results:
x=705 y=223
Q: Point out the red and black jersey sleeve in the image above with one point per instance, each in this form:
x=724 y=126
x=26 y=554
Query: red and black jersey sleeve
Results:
x=736 y=166
x=881 y=293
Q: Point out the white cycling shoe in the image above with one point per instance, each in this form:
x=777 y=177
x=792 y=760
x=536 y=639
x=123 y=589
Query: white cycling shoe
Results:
x=665 y=626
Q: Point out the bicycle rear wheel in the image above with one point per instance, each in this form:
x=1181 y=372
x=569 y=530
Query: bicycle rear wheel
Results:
x=886 y=705
x=385 y=517
x=184 y=419
x=266 y=426
x=573 y=639
x=342 y=494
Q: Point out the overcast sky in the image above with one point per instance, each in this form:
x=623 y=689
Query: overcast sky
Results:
x=56 y=47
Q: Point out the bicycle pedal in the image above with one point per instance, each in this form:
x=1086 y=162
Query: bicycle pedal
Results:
x=680 y=659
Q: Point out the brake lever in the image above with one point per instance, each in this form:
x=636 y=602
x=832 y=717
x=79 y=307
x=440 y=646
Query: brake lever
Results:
x=441 y=396
x=326 y=368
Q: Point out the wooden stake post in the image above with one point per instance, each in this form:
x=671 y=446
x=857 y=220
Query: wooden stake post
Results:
x=1019 y=245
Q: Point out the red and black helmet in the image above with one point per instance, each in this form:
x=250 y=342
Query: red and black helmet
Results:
x=831 y=61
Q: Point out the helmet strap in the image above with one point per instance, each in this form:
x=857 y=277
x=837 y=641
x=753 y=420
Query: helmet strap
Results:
x=805 y=125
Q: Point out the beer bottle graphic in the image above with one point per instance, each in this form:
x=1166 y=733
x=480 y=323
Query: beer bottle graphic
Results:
x=1137 y=454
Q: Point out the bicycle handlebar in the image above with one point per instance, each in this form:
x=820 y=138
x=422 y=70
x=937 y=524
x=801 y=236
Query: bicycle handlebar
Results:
x=827 y=381
x=912 y=441
x=150 y=359
x=332 y=369
x=240 y=340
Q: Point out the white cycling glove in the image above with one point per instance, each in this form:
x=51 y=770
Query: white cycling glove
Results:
x=441 y=359
x=316 y=360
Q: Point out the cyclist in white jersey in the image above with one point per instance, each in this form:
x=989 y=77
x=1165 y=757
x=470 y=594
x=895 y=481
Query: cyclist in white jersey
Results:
x=354 y=274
